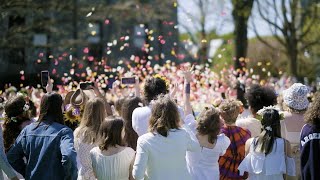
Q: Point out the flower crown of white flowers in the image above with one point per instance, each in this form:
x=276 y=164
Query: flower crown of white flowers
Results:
x=25 y=108
x=262 y=111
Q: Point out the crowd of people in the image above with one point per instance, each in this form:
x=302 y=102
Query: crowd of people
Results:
x=185 y=123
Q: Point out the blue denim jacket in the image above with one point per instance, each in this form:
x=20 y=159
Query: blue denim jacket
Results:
x=48 y=150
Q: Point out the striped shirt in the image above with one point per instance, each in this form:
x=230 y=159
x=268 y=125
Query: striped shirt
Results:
x=229 y=162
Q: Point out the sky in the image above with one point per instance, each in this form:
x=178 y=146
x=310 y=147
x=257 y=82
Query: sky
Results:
x=219 y=17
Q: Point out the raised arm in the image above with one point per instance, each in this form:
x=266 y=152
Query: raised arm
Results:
x=187 y=80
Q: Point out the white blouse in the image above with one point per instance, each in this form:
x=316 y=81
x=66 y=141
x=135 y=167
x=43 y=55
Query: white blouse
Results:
x=83 y=157
x=203 y=164
x=160 y=158
x=271 y=166
x=113 y=167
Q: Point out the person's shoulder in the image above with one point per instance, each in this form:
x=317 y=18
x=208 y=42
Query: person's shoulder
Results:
x=141 y=111
x=129 y=150
x=95 y=150
x=223 y=138
x=145 y=137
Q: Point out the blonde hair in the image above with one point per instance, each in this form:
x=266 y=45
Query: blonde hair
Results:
x=230 y=110
x=93 y=115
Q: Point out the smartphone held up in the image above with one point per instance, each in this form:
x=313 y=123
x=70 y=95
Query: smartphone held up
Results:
x=44 y=78
x=128 y=80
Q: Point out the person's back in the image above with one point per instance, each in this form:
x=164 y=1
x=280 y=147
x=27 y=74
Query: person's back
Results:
x=261 y=166
x=48 y=149
x=166 y=155
x=235 y=153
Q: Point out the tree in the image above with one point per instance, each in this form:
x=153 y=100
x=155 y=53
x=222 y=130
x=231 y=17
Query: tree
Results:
x=205 y=13
x=290 y=22
x=241 y=13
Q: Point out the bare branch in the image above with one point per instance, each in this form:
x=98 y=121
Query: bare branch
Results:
x=266 y=19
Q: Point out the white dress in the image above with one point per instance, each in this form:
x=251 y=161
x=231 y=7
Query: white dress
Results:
x=203 y=164
x=267 y=167
x=163 y=158
x=114 y=167
x=83 y=157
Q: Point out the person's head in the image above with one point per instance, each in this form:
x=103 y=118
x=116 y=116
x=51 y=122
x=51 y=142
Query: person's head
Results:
x=230 y=110
x=295 y=98
x=118 y=105
x=111 y=133
x=93 y=115
x=164 y=116
x=209 y=124
x=51 y=108
x=271 y=129
x=259 y=97
x=129 y=105
x=312 y=115
x=153 y=87
x=16 y=113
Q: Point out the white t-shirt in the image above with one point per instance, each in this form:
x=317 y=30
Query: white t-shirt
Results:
x=251 y=124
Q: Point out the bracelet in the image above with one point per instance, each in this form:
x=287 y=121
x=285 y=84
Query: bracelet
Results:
x=187 y=88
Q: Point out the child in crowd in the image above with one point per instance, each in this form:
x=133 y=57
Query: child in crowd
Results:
x=238 y=136
x=203 y=164
x=112 y=160
x=86 y=136
x=268 y=155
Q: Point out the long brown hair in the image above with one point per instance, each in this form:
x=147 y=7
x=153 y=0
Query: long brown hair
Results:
x=129 y=105
x=111 y=133
x=15 y=116
x=93 y=115
x=51 y=108
x=164 y=116
x=209 y=124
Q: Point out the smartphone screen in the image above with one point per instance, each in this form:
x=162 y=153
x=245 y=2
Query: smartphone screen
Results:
x=44 y=78
x=128 y=80
x=110 y=82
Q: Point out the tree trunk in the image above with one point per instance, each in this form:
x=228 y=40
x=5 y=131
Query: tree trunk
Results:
x=241 y=42
x=293 y=57
x=241 y=13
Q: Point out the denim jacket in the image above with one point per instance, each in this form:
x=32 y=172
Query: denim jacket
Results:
x=48 y=150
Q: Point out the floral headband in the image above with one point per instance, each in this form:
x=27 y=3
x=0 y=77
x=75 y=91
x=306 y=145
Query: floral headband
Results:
x=25 y=108
x=261 y=112
x=163 y=78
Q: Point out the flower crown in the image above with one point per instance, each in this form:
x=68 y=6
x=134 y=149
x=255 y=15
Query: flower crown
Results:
x=260 y=113
x=25 y=108
x=163 y=78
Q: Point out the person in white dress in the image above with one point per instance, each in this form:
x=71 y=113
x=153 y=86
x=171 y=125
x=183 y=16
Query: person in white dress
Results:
x=203 y=164
x=161 y=153
x=112 y=160
x=268 y=155
x=86 y=136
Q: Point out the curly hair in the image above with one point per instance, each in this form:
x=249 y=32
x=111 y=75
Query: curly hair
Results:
x=164 y=116
x=15 y=117
x=229 y=110
x=312 y=115
x=259 y=97
x=209 y=124
x=130 y=136
x=153 y=87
